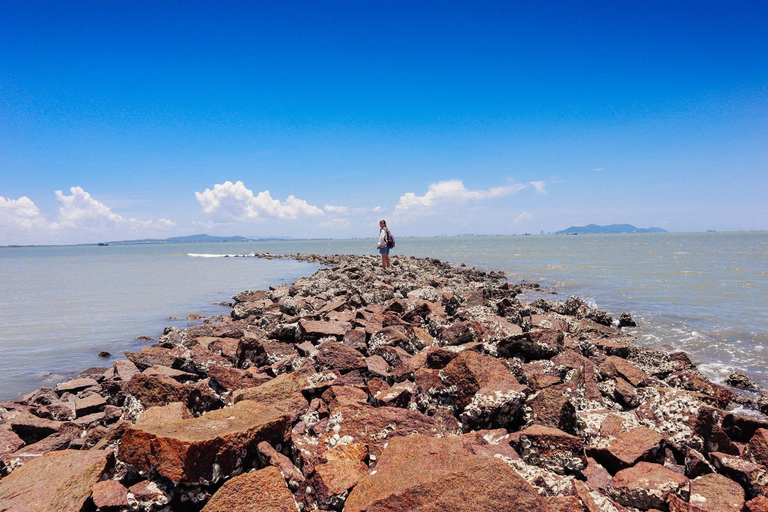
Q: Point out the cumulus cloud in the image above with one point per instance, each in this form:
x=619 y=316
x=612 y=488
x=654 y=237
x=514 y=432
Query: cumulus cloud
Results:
x=335 y=209
x=234 y=201
x=539 y=187
x=79 y=213
x=523 y=217
x=452 y=190
x=80 y=210
x=21 y=214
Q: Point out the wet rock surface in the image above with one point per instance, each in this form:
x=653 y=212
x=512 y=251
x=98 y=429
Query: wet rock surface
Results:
x=426 y=387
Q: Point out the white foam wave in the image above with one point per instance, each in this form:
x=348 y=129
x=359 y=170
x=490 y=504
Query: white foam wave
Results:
x=197 y=255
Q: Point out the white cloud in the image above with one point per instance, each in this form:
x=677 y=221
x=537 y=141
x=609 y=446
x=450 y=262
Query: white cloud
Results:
x=335 y=209
x=523 y=217
x=81 y=211
x=599 y=169
x=452 y=190
x=21 y=214
x=233 y=201
x=79 y=217
x=539 y=187
x=335 y=224
x=377 y=208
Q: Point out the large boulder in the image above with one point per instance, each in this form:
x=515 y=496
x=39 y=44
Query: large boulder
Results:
x=430 y=475
x=550 y=448
x=59 y=481
x=198 y=450
x=646 y=486
x=258 y=490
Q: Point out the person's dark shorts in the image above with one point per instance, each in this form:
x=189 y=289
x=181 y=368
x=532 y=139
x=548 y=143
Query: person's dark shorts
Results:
x=384 y=250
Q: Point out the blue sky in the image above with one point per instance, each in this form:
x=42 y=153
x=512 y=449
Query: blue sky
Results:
x=315 y=119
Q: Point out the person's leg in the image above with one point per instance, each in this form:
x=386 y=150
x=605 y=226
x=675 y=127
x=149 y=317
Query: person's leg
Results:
x=383 y=260
x=386 y=260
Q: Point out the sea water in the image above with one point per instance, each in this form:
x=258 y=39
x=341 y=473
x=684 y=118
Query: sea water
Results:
x=705 y=293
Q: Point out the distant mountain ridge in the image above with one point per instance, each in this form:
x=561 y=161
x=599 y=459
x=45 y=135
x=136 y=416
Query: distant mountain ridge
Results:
x=187 y=239
x=610 y=229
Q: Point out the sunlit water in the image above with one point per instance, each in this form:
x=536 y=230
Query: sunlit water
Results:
x=705 y=293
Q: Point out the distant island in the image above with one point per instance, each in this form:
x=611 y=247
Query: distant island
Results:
x=191 y=239
x=612 y=228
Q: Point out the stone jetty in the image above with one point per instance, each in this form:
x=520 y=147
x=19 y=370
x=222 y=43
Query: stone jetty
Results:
x=429 y=387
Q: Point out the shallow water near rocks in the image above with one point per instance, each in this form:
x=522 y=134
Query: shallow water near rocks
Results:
x=60 y=306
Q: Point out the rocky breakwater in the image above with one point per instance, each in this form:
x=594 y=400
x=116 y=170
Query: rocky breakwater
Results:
x=429 y=387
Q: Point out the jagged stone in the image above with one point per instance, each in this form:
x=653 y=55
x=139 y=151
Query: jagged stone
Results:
x=152 y=390
x=753 y=477
x=154 y=356
x=198 y=450
x=616 y=366
x=258 y=490
x=716 y=493
x=76 y=385
x=645 y=486
x=333 y=355
x=232 y=379
x=284 y=392
x=271 y=457
x=109 y=495
x=550 y=449
x=59 y=481
x=631 y=447
x=418 y=472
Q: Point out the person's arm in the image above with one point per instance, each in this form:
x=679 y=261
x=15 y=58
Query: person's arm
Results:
x=382 y=239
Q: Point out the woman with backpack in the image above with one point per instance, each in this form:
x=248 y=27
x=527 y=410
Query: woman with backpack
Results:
x=386 y=242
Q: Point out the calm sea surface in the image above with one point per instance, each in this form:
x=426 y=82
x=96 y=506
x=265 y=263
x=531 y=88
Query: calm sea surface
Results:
x=705 y=293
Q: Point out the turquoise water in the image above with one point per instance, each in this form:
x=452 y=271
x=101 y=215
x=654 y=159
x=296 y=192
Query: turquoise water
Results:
x=701 y=292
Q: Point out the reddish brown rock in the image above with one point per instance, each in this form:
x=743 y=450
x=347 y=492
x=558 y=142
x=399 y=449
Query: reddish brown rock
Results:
x=152 y=356
x=616 y=366
x=58 y=411
x=459 y=333
x=538 y=344
x=152 y=390
x=109 y=495
x=716 y=493
x=753 y=477
x=565 y=504
x=597 y=476
x=586 y=371
x=470 y=371
x=552 y=407
x=422 y=473
x=696 y=464
x=759 y=504
x=537 y=377
x=258 y=490
x=9 y=442
x=392 y=336
x=284 y=392
x=439 y=357
x=550 y=449
x=75 y=385
x=377 y=366
x=720 y=396
x=89 y=405
x=625 y=393
x=232 y=379
x=741 y=428
x=313 y=329
x=376 y=426
x=122 y=369
x=271 y=457
x=161 y=414
x=202 y=449
x=332 y=481
x=32 y=429
x=645 y=486
x=589 y=327
x=344 y=396
x=398 y=395
x=148 y=493
x=177 y=375
x=638 y=444
x=333 y=355
x=356 y=338
x=59 y=481
x=758 y=446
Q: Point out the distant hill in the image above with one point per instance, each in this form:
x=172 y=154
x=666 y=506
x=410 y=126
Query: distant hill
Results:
x=613 y=228
x=185 y=240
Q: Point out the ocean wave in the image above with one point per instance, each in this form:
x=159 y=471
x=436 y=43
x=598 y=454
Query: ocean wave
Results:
x=197 y=255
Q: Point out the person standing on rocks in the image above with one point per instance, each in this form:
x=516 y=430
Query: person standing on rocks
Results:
x=383 y=246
